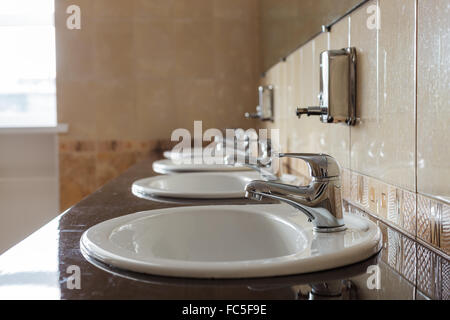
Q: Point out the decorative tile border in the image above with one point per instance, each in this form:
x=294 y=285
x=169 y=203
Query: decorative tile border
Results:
x=421 y=266
x=416 y=230
x=429 y=273
x=415 y=215
x=399 y=251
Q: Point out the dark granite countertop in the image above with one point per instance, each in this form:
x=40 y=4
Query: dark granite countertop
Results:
x=40 y=266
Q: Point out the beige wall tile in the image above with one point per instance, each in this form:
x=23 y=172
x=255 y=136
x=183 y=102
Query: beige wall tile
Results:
x=306 y=127
x=113 y=54
x=292 y=99
x=75 y=48
x=278 y=78
x=115 y=111
x=274 y=40
x=386 y=106
x=153 y=96
x=194 y=50
x=365 y=41
x=156 y=9
x=192 y=9
x=363 y=157
x=433 y=96
x=154 y=48
x=239 y=94
x=271 y=79
x=76 y=107
x=396 y=94
x=234 y=55
x=283 y=98
x=194 y=100
x=236 y=9
x=340 y=34
x=87 y=7
x=113 y=9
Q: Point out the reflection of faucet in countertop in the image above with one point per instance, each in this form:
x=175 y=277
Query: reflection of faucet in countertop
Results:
x=320 y=201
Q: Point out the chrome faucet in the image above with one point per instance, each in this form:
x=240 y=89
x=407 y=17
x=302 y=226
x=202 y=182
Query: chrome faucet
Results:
x=320 y=201
x=261 y=163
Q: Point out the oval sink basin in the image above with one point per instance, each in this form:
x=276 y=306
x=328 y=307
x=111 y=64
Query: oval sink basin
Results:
x=213 y=185
x=167 y=166
x=247 y=241
x=177 y=155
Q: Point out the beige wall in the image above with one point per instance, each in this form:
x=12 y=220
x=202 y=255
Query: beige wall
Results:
x=285 y=24
x=398 y=152
x=138 y=69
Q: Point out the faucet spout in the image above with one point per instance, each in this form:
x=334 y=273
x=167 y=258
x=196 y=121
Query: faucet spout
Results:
x=262 y=162
x=320 y=201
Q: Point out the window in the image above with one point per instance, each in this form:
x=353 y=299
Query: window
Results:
x=27 y=63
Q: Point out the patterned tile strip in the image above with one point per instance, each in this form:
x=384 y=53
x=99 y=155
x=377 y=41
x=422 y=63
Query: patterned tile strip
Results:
x=408 y=211
x=429 y=272
x=445 y=269
x=416 y=215
x=409 y=259
x=445 y=229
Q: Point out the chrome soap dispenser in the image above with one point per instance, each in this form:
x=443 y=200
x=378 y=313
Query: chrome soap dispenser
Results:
x=337 y=88
x=264 y=111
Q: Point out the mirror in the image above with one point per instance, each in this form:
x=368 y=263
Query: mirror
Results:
x=288 y=24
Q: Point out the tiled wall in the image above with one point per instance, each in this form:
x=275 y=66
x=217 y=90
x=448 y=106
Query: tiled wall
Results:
x=286 y=24
x=415 y=262
x=86 y=165
x=137 y=69
x=396 y=159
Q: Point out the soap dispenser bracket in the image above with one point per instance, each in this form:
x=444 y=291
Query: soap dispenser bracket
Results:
x=264 y=111
x=337 y=97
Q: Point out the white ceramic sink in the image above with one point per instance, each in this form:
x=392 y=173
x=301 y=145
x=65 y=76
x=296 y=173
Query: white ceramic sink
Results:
x=246 y=241
x=197 y=185
x=177 y=155
x=170 y=166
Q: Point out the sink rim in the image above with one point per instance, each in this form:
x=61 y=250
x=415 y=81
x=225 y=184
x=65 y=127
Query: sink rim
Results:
x=109 y=227
x=278 y=266
x=168 y=166
x=140 y=187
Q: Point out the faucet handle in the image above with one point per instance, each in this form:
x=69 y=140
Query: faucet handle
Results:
x=321 y=166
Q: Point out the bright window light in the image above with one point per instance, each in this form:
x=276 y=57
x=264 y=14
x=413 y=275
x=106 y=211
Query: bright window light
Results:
x=27 y=63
